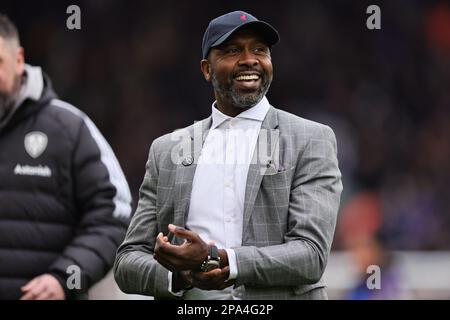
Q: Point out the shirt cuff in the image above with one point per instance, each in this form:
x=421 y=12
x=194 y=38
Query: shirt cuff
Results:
x=178 y=293
x=232 y=263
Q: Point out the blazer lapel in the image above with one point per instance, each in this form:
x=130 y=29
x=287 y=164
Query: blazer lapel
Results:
x=265 y=160
x=185 y=171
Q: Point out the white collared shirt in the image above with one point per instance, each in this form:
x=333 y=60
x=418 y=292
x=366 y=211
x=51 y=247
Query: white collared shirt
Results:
x=218 y=190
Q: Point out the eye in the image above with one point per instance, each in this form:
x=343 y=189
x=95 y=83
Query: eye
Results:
x=261 y=49
x=231 y=50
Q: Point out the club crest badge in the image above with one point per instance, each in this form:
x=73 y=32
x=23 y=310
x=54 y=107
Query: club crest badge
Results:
x=35 y=143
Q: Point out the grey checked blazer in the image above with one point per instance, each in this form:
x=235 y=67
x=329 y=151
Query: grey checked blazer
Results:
x=291 y=203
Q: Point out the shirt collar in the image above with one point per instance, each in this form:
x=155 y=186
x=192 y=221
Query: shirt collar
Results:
x=257 y=112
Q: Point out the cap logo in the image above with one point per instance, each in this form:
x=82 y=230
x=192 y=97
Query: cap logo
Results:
x=243 y=17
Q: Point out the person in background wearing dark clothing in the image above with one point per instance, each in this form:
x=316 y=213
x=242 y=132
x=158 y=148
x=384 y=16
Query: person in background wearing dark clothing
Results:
x=64 y=202
x=377 y=271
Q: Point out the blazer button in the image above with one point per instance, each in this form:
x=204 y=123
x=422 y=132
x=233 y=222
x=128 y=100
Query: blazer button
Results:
x=187 y=161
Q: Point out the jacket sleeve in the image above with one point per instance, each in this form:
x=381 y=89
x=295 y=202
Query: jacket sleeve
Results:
x=313 y=207
x=135 y=269
x=103 y=207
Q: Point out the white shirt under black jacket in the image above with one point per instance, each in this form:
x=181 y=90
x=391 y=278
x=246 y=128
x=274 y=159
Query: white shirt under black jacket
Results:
x=216 y=207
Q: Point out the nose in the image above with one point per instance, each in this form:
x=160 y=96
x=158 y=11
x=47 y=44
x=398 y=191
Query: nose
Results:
x=248 y=59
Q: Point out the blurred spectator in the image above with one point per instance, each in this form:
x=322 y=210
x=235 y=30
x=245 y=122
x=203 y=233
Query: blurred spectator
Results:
x=361 y=233
x=368 y=252
x=64 y=201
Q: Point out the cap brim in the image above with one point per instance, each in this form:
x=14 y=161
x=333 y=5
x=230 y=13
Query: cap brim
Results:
x=267 y=32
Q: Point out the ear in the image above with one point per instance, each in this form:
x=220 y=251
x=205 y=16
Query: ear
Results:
x=20 y=60
x=205 y=67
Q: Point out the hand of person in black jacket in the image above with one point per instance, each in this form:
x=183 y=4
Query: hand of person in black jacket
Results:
x=44 y=287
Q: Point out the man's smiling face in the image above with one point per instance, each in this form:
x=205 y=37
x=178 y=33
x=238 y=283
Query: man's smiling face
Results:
x=240 y=70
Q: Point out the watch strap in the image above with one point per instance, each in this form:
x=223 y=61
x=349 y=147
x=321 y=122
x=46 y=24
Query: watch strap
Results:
x=213 y=253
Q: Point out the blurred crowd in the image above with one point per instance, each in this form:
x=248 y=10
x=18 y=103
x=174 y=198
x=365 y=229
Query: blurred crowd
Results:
x=134 y=69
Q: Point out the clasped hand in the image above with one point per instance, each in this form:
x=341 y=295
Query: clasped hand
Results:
x=186 y=259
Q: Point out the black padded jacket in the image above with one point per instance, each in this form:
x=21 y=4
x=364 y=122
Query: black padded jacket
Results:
x=64 y=201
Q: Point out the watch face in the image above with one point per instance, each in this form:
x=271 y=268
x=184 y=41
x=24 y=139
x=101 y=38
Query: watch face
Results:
x=210 y=265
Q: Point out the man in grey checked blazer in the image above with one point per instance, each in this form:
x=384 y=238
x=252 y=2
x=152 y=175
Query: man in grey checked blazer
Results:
x=292 y=193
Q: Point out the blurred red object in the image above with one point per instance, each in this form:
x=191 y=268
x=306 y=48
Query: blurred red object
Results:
x=360 y=218
x=437 y=28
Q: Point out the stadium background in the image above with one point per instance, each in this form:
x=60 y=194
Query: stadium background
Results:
x=134 y=69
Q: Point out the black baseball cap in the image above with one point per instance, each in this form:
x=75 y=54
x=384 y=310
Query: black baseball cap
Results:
x=221 y=28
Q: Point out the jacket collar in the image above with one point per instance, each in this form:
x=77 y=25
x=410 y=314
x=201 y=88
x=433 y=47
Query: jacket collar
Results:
x=257 y=112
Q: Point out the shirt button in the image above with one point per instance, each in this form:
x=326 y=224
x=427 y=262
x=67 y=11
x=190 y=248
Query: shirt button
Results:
x=227 y=219
x=228 y=184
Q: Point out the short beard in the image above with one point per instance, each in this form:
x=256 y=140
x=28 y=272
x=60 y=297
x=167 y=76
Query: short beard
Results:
x=7 y=100
x=238 y=100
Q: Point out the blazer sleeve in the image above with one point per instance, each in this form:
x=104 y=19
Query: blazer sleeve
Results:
x=135 y=269
x=313 y=207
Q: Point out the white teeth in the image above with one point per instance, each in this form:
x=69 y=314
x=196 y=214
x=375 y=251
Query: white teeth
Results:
x=247 y=77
